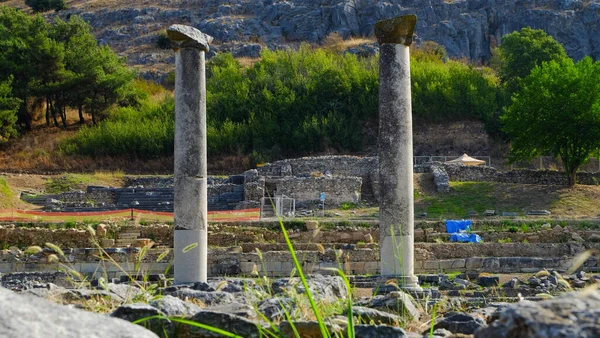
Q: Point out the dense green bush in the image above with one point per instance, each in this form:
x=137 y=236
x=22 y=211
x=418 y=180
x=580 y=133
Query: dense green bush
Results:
x=143 y=132
x=46 y=5
x=163 y=41
x=297 y=102
x=453 y=91
x=315 y=100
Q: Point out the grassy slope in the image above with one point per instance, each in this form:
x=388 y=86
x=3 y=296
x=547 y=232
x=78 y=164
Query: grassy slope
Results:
x=580 y=201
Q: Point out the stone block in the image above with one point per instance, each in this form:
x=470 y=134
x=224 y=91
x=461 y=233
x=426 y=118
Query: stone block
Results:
x=312 y=225
x=419 y=235
x=431 y=266
x=107 y=242
x=459 y=264
x=509 y=264
x=272 y=266
x=6 y=267
x=446 y=264
x=371 y=267
x=287 y=267
x=491 y=264
x=308 y=267
x=474 y=263
x=357 y=267
x=247 y=267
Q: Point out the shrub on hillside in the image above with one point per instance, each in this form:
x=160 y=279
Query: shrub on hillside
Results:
x=163 y=41
x=46 y=5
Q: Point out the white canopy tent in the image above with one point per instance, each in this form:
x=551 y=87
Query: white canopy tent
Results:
x=466 y=160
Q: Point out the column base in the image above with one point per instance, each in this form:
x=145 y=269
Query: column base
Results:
x=190 y=266
x=408 y=283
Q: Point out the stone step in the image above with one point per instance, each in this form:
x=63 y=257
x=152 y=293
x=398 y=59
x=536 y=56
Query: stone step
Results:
x=128 y=236
x=124 y=243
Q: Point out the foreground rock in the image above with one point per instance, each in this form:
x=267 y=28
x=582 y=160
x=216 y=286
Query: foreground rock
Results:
x=24 y=316
x=460 y=323
x=571 y=315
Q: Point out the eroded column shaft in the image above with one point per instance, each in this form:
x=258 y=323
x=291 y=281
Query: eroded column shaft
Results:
x=395 y=150
x=191 y=222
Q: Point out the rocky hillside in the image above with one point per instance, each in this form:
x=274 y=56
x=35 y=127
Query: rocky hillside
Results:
x=467 y=28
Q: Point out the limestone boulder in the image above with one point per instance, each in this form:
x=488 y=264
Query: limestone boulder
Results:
x=132 y=312
x=327 y=288
x=25 y=316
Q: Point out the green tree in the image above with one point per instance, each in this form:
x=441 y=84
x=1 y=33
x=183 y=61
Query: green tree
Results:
x=557 y=110
x=8 y=112
x=522 y=50
x=61 y=64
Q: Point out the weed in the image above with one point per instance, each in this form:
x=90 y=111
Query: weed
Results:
x=348 y=205
x=513 y=229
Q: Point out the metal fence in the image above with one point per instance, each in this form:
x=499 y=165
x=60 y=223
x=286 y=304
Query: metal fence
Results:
x=278 y=206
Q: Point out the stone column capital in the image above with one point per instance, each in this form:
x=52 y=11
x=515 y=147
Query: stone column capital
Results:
x=183 y=36
x=398 y=30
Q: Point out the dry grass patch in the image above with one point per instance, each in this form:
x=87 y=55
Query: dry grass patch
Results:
x=335 y=42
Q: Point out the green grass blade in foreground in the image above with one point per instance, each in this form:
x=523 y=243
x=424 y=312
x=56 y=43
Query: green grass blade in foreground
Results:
x=432 y=320
x=350 y=330
x=191 y=323
x=313 y=305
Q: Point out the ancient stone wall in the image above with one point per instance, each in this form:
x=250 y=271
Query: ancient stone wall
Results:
x=488 y=174
x=279 y=263
x=336 y=189
x=335 y=165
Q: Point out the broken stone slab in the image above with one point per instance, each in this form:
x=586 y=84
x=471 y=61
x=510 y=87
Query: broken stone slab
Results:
x=488 y=281
x=24 y=316
x=366 y=315
x=489 y=213
x=173 y=306
x=460 y=323
x=206 y=297
x=396 y=301
x=379 y=331
x=570 y=315
x=235 y=308
x=224 y=321
x=132 y=312
x=273 y=308
x=322 y=287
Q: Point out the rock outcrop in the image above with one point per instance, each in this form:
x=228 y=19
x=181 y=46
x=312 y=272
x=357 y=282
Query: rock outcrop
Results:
x=466 y=28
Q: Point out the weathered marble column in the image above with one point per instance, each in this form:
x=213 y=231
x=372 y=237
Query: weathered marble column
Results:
x=396 y=150
x=191 y=215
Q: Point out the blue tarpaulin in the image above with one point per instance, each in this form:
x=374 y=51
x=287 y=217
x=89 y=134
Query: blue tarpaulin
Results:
x=465 y=237
x=453 y=226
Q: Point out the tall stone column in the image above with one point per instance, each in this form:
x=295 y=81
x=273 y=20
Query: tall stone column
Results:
x=191 y=206
x=395 y=150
